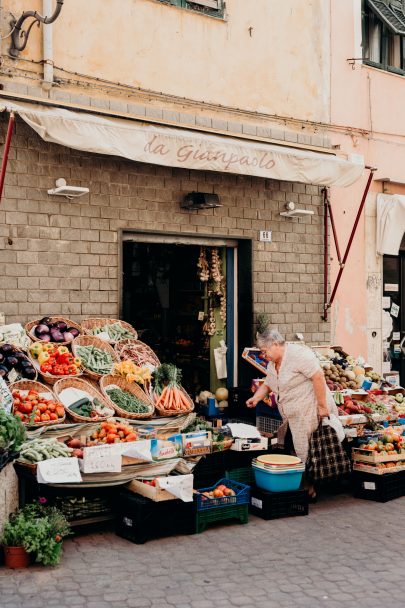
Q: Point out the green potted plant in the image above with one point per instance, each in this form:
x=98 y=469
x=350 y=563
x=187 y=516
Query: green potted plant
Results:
x=35 y=530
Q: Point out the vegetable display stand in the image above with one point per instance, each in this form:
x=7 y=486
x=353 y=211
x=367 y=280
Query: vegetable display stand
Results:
x=227 y=513
x=380 y=488
x=140 y=519
x=273 y=505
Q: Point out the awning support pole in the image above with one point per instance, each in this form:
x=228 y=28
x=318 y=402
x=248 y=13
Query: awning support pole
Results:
x=325 y=253
x=342 y=263
x=6 y=151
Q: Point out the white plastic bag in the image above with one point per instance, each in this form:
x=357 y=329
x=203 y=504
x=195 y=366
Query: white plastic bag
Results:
x=220 y=361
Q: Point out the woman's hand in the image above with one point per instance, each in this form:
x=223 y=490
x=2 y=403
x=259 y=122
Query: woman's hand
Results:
x=253 y=401
x=259 y=395
x=323 y=411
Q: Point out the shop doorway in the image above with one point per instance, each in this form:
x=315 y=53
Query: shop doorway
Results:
x=394 y=311
x=178 y=312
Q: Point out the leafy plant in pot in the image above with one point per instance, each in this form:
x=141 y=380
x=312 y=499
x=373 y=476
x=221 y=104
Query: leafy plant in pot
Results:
x=34 y=531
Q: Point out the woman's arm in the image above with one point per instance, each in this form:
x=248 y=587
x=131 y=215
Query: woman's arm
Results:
x=259 y=395
x=318 y=381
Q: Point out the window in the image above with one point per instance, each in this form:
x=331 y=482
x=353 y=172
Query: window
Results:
x=213 y=8
x=384 y=34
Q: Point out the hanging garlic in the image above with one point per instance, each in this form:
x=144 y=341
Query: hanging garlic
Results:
x=222 y=312
x=216 y=267
x=203 y=266
x=211 y=322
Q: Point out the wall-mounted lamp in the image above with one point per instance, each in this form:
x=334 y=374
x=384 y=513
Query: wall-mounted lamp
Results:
x=62 y=189
x=19 y=36
x=291 y=211
x=200 y=200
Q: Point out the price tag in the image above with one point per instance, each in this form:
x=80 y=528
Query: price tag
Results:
x=6 y=398
x=369 y=485
x=102 y=459
x=256 y=503
x=12 y=376
x=59 y=470
x=394 y=310
x=274 y=441
x=386 y=302
x=392 y=287
x=396 y=335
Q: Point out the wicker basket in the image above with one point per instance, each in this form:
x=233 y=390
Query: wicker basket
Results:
x=86 y=387
x=33 y=385
x=89 y=324
x=144 y=354
x=30 y=326
x=49 y=378
x=93 y=341
x=129 y=387
x=162 y=412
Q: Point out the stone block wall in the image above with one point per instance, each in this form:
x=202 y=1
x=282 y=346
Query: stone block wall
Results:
x=61 y=256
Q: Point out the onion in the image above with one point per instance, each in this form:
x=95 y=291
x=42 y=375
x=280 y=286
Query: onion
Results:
x=61 y=325
x=56 y=335
x=41 y=329
x=68 y=336
x=45 y=338
x=75 y=332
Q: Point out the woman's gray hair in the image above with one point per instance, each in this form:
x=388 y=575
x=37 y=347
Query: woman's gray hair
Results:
x=269 y=337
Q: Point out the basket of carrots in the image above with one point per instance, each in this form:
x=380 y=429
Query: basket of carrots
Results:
x=170 y=397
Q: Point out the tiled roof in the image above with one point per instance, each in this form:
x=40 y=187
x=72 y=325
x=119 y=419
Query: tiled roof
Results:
x=393 y=17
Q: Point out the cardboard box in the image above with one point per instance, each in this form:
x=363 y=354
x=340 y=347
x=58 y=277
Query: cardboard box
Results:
x=197 y=443
x=163 y=449
x=155 y=493
x=252 y=355
x=250 y=445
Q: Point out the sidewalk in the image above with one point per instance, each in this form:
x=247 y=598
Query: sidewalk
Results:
x=347 y=553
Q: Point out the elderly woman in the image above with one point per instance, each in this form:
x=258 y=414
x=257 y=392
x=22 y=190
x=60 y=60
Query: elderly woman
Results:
x=296 y=378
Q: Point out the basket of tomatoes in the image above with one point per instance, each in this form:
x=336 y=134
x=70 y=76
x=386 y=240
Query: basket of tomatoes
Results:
x=54 y=362
x=35 y=404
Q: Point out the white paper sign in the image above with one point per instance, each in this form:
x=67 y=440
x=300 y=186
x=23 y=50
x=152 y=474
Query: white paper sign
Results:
x=369 y=485
x=180 y=486
x=102 y=459
x=256 y=502
x=396 y=335
x=386 y=302
x=394 y=310
x=6 y=398
x=137 y=449
x=59 y=470
x=392 y=287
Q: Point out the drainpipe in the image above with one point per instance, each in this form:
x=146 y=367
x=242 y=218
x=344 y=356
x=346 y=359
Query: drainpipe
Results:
x=47 y=41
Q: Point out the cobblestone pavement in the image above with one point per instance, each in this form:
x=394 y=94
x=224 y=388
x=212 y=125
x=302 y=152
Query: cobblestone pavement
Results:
x=346 y=553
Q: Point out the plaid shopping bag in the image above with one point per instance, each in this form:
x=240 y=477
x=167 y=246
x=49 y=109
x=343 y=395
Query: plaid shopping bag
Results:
x=327 y=459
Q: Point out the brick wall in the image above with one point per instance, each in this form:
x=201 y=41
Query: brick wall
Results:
x=61 y=257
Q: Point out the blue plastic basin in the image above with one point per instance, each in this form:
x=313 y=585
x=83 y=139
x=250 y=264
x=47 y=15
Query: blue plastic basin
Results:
x=279 y=481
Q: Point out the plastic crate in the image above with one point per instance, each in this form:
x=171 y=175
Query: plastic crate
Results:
x=267 y=425
x=140 y=519
x=243 y=475
x=237 y=460
x=241 y=496
x=209 y=516
x=209 y=469
x=380 y=488
x=273 y=505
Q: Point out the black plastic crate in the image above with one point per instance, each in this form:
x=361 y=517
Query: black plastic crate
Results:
x=140 y=519
x=209 y=469
x=273 y=505
x=380 y=488
x=237 y=460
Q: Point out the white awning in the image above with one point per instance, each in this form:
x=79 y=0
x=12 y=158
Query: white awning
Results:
x=176 y=147
x=390 y=223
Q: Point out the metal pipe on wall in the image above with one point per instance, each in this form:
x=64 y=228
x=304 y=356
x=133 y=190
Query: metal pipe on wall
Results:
x=5 y=153
x=47 y=42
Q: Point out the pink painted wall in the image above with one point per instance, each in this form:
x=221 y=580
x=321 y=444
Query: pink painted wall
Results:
x=368 y=118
